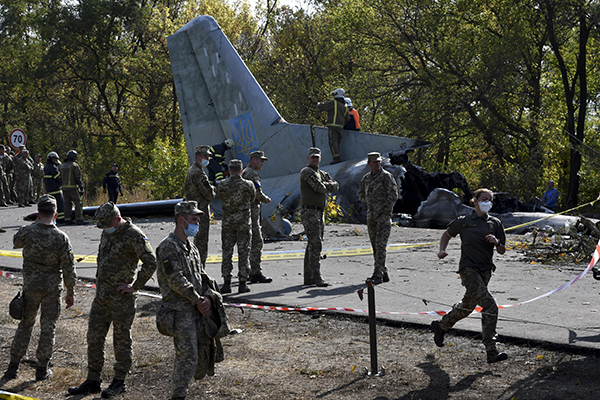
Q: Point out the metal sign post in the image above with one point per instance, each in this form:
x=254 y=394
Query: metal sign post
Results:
x=373 y=332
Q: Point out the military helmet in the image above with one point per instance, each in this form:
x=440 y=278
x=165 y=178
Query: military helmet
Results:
x=229 y=143
x=72 y=154
x=53 y=154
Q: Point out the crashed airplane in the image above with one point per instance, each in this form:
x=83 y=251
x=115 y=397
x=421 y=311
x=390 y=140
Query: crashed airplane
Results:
x=220 y=99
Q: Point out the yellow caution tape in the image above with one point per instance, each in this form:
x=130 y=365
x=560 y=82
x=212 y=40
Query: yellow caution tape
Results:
x=297 y=254
x=12 y=396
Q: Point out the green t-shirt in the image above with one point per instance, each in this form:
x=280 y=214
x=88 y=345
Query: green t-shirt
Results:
x=475 y=251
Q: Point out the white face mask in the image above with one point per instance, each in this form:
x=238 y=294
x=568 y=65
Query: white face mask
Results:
x=485 y=206
x=204 y=162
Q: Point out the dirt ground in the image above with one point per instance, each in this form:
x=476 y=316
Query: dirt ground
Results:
x=294 y=355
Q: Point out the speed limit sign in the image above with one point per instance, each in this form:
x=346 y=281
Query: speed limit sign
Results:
x=17 y=138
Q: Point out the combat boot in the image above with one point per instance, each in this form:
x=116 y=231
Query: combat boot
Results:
x=116 y=387
x=438 y=333
x=260 y=278
x=226 y=288
x=493 y=356
x=243 y=287
x=11 y=371
x=86 y=387
x=43 y=373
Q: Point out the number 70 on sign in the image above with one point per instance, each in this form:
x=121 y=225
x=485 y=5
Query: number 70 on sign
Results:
x=17 y=138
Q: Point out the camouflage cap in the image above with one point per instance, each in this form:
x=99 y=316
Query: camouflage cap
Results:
x=187 y=207
x=105 y=214
x=258 y=154
x=314 y=152
x=203 y=149
x=374 y=156
x=47 y=203
x=235 y=164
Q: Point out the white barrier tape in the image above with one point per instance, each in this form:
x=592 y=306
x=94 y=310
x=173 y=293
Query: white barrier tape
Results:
x=593 y=262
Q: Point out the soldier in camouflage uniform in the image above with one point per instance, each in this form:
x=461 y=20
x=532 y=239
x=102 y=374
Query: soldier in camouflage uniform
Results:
x=47 y=259
x=257 y=159
x=7 y=164
x=122 y=245
x=314 y=185
x=2 y=180
x=198 y=188
x=72 y=188
x=6 y=167
x=192 y=298
x=236 y=194
x=379 y=190
x=37 y=175
x=480 y=233
x=23 y=168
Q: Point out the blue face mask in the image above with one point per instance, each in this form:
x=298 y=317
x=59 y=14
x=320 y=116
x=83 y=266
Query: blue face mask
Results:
x=110 y=231
x=191 y=230
x=204 y=162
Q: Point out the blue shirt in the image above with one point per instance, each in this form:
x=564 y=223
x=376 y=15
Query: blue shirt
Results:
x=550 y=198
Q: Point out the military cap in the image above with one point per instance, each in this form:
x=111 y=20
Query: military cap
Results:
x=203 y=149
x=314 y=151
x=187 y=207
x=115 y=165
x=235 y=164
x=47 y=203
x=258 y=154
x=105 y=214
x=374 y=156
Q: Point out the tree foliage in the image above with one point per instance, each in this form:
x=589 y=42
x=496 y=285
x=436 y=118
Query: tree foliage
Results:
x=507 y=91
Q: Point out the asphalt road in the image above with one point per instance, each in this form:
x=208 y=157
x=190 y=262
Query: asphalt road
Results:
x=420 y=285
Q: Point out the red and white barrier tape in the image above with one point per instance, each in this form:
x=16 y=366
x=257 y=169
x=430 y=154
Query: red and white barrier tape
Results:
x=593 y=262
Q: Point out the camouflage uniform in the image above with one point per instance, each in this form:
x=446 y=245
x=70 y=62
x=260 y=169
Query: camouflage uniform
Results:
x=23 y=168
x=37 y=175
x=380 y=192
x=237 y=194
x=256 y=245
x=47 y=259
x=72 y=186
x=9 y=192
x=476 y=268
x=2 y=185
x=198 y=188
x=118 y=256
x=314 y=185
x=182 y=280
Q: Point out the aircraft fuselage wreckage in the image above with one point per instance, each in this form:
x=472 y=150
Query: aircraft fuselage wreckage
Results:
x=220 y=99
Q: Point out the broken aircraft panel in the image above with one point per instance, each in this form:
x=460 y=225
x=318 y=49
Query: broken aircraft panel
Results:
x=219 y=99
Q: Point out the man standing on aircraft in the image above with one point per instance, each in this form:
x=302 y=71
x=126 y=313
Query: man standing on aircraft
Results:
x=314 y=185
x=337 y=116
x=353 y=123
x=379 y=190
x=217 y=167
x=198 y=188
x=257 y=160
